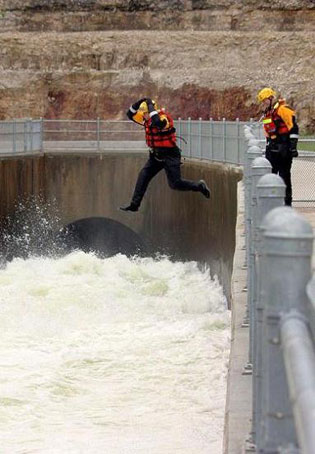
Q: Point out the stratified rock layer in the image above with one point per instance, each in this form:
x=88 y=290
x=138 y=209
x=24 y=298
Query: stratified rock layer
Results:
x=96 y=15
x=155 y=49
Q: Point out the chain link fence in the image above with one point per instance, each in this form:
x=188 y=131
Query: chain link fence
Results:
x=303 y=168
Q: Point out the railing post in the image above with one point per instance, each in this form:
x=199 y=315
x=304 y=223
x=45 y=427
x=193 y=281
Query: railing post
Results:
x=189 y=135
x=41 y=136
x=260 y=166
x=25 y=136
x=179 y=127
x=238 y=140
x=287 y=251
x=98 y=134
x=299 y=359
x=311 y=297
x=270 y=194
x=211 y=138
x=253 y=142
x=14 y=136
x=31 y=134
x=199 y=139
x=252 y=153
x=224 y=138
x=248 y=133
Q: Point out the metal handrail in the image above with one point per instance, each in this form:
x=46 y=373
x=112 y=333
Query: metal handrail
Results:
x=279 y=243
x=212 y=140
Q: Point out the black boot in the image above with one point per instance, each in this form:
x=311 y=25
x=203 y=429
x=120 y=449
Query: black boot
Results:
x=204 y=189
x=131 y=207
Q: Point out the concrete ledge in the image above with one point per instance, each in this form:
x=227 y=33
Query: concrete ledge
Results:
x=239 y=387
x=111 y=145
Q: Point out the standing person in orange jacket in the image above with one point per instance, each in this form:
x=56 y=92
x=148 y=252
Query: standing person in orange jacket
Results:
x=282 y=133
x=164 y=153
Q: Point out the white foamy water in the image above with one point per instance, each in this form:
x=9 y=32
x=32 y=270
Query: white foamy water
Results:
x=116 y=355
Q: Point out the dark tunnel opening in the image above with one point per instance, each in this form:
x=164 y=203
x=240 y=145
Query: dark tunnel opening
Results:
x=25 y=235
x=103 y=236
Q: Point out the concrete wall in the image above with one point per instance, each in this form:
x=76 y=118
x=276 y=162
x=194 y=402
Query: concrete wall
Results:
x=184 y=225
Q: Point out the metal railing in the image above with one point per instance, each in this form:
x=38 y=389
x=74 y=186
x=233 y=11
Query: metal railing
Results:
x=280 y=313
x=203 y=139
x=92 y=135
x=20 y=136
x=221 y=141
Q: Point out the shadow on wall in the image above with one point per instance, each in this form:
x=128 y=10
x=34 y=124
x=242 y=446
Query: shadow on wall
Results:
x=103 y=236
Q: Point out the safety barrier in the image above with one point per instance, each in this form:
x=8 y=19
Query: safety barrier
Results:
x=212 y=140
x=280 y=315
x=203 y=139
x=20 y=136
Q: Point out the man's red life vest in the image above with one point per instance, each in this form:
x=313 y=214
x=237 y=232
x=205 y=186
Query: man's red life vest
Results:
x=157 y=138
x=274 y=124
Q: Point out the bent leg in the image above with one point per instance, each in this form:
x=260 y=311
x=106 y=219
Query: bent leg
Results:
x=175 y=181
x=151 y=168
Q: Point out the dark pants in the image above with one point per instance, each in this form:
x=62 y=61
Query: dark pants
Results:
x=281 y=162
x=169 y=160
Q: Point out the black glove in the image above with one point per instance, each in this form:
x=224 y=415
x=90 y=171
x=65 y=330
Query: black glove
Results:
x=150 y=105
x=293 y=147
x=137 y=104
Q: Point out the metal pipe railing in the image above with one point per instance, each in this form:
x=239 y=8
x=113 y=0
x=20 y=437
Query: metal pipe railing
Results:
x=299 y=360
x=222 y=140
x=282 y=318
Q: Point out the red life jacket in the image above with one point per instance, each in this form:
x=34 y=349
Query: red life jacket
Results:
x=273 y=123
x=157 y=138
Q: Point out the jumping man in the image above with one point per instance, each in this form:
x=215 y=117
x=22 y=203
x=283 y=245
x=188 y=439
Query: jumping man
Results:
x=164 y=153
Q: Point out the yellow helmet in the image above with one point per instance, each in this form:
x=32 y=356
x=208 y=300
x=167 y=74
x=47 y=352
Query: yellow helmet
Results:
x=144 y=107
x=265 y=93
x=138 y=117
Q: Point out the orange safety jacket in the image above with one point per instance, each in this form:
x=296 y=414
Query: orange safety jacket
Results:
x=274 y=124
x=160 y=138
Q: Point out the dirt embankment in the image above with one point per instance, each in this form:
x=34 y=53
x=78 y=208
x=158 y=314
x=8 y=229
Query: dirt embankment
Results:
x=196 y=68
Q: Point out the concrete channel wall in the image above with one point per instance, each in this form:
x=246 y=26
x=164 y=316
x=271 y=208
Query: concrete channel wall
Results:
x=184 y=225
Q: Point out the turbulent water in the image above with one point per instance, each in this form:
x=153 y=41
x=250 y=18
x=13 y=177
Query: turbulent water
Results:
x=116 y=355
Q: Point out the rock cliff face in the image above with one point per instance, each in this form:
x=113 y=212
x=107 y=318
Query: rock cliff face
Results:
x=91 y=58
x=96 y=15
